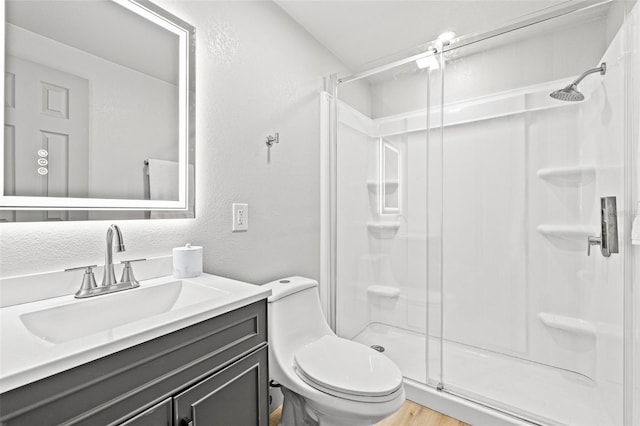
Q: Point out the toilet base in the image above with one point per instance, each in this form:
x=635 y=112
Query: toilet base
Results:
x=294 y=411
x=298 y=411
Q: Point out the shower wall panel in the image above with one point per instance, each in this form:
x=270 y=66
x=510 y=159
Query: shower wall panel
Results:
x=418 y=301
x=484 y=187
x=357 y=163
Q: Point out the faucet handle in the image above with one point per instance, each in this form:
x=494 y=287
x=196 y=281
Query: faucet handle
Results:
x=88 y=281
x=127 y=272
x=88 y=269
x=133 y=260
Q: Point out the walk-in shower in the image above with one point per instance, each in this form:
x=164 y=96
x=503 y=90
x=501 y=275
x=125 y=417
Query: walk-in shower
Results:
x=462 y=200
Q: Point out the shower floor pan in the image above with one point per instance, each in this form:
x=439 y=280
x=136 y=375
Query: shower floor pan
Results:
x=534 y=390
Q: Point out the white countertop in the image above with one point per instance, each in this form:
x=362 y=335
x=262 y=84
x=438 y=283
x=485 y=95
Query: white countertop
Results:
x=26 y=357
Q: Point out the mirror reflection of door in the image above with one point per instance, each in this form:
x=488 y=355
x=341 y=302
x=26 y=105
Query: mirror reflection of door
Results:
x=46 y=130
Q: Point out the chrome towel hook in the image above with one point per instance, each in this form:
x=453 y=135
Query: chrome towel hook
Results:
x=273 y=139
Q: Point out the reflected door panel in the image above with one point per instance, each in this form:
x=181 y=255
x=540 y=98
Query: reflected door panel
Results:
x=46 y=121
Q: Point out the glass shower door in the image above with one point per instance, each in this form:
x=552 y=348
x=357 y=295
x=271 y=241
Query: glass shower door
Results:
x=531 y=324
x=381 y=291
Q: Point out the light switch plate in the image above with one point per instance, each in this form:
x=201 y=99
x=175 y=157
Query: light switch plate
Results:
x=240 y=217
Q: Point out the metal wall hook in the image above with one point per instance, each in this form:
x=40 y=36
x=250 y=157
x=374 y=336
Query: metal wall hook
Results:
x=273 y=139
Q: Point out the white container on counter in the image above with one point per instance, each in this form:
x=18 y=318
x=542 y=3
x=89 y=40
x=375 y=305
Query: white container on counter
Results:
x=187 y=261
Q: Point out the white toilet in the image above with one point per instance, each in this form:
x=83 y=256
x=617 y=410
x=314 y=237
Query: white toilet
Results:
x=325 y=379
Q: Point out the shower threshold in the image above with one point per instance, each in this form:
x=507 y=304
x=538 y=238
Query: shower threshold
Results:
x=537 y=391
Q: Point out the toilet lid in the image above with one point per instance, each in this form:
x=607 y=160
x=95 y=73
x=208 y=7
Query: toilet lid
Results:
x=348 y=369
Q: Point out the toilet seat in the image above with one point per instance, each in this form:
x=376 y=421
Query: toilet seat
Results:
x=348 y=370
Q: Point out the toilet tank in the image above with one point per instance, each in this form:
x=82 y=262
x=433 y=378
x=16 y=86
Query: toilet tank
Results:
x=295 y=314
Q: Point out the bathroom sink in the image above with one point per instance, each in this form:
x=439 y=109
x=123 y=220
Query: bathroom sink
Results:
x=84 y=317
x=46 y=336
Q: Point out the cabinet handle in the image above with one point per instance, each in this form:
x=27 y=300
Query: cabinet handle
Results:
x=186 y=421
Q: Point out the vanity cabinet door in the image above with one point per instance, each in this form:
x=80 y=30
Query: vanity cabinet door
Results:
x=236 y=395
x=158 y=415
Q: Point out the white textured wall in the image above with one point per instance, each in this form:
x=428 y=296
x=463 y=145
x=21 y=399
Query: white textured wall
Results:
x=257 y=72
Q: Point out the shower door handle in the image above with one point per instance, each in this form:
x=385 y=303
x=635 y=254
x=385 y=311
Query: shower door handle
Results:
x=608 y=240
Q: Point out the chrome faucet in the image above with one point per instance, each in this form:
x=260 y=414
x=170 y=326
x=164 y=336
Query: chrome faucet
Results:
x=109 y=277
x=89 y=288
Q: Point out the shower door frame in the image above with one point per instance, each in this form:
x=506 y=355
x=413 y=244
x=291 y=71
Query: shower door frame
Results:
x=328 y=166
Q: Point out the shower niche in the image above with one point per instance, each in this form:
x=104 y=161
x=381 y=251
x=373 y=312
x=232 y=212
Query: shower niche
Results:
x=385 y=192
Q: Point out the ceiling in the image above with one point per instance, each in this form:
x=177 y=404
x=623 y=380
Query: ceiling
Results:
x=361 y=31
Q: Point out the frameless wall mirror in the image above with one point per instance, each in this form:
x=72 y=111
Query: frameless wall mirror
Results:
x=390 y=178
x=99 y=111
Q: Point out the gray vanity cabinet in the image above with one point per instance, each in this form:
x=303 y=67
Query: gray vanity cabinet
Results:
x=230 y=397
x=158 y=415
x=213 y=372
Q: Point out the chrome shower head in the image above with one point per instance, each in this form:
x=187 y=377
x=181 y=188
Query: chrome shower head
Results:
x=571 y=92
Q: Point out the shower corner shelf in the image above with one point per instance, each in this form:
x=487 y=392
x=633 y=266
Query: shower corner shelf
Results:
x=383 y=230
x=577 y=175
x=569 y=324
x=389 y=186
x=385 y=291
x=569 y=232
